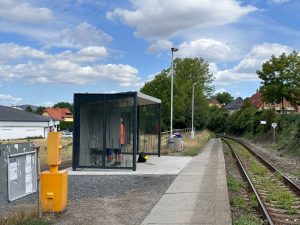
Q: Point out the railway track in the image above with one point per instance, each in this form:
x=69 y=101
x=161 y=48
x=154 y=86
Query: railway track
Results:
x=278 y=197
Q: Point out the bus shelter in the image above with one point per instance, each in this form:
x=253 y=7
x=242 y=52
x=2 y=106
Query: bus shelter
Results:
x=110 y=130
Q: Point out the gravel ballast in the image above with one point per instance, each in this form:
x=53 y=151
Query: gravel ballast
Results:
x=287 y=164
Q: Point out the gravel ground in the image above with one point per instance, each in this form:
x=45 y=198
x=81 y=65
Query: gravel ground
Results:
x=112 y=199
x=101 y=199
x=82 y=187
x=287 y=164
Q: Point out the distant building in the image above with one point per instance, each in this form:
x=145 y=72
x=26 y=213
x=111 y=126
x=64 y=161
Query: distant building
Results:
x=257 y=102
x=234 y=105
x=213 y=102
x=59 y=114
x=15 y=123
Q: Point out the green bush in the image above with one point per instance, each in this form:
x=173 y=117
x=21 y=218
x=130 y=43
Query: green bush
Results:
x=64 y=125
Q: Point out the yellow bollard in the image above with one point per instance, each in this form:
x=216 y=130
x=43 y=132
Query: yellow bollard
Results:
x=54 y=183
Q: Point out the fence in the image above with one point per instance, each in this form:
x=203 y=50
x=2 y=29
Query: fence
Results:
x=185 y=133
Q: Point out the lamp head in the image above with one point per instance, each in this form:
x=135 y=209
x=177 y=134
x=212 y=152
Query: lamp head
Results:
x=174 y=49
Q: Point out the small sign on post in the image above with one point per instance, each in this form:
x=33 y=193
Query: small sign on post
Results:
x=263 y=122
x=274 y=125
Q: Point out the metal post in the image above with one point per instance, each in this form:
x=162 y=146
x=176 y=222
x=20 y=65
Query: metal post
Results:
x=172 y=80
x=193 y=102
x=135 y=129
x=274 y=135
x=38 y=170
x=171 y=138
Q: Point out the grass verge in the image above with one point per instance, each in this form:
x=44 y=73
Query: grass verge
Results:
x=248 y=220
x=24 y=215
x=191 y=147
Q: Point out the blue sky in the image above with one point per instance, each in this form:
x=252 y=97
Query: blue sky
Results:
x=50 y=49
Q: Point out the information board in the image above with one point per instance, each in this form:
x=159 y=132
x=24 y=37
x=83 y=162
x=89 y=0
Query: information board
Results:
x=21 y=174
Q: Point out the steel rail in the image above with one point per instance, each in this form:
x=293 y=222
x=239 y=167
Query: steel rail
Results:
x=286 y=180
x=261 y=204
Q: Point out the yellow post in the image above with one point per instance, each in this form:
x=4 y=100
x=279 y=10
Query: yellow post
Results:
x=54 y=183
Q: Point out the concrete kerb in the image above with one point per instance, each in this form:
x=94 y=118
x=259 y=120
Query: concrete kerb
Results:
x=164 y=165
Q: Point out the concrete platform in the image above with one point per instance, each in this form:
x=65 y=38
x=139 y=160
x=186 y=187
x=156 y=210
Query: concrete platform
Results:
x=199 y=193
x=169 y=165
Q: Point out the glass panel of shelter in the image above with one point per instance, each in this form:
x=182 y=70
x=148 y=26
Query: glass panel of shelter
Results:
x=91 y=134
x=119 y=131
x=111 y=121
x=149 y=128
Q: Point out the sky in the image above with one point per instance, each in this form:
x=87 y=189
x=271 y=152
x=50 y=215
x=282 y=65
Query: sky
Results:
x=51 y=49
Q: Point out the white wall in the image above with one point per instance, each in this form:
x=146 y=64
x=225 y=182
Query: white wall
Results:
x=13 y=130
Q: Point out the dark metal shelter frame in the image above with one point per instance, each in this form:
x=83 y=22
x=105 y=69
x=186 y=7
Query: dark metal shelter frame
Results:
x=97 y=121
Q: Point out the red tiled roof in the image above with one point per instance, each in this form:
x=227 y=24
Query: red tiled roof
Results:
x=256 y=100
x=58 y=113
x=213 y=101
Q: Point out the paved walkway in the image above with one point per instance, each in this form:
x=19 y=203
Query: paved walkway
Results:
x=199 y=193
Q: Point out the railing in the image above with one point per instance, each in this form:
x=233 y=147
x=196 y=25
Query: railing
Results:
x=186 y=132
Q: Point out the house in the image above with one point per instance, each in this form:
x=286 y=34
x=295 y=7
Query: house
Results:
x=59 y=114
x=15 y=123
x=257 y=102
x=213 y=102
x=234 y=105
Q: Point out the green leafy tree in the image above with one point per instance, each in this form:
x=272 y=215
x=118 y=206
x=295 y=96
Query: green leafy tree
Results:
x=40 y=110
x=64 y=105
x=187 y=71
x=281 y=79
x=224 y=98
x=217 y=119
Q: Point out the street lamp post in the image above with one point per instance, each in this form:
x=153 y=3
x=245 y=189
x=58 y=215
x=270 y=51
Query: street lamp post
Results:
x=193 y=102
x=171 y=138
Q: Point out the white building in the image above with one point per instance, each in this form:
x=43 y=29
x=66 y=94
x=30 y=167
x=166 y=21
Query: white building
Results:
x=16 y=123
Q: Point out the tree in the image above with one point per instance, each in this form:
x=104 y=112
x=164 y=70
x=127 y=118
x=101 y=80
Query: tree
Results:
x=64 y=105
x=28 y=109
x=187 y=71
x=224 y=98
x=217 y=119
x=281 y=79
x=40 y=110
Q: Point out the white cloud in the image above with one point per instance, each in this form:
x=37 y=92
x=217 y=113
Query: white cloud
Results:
x=161 y=19
x=83 y=35
x=213 y=68
x=9 y=98
x=88 y=54
x=209 y=49
x=19 y=12
x=13 y=52
x=278 y=1
x=159 y=46
x=9 y=51
x=246 y=69
x=67 y=72
x=80 y=67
